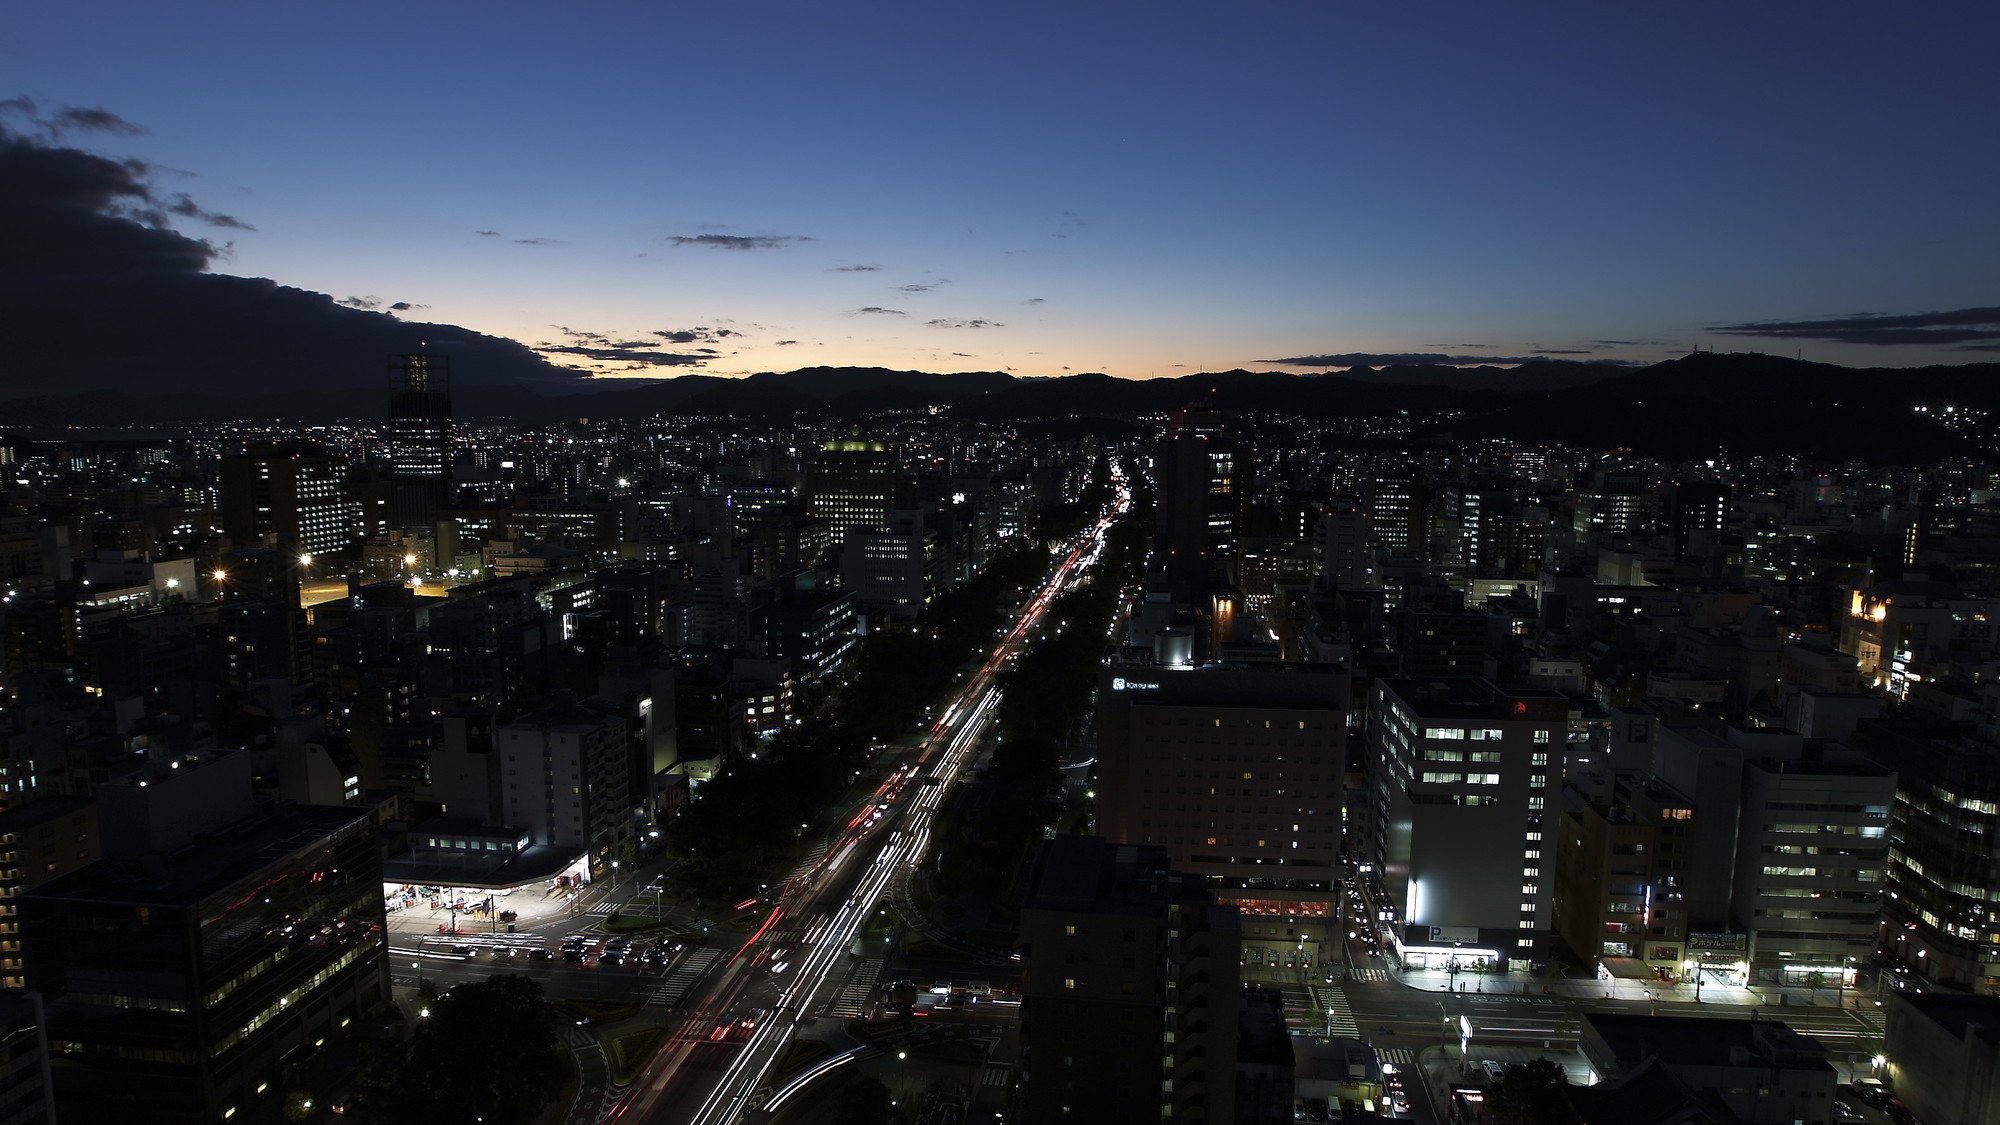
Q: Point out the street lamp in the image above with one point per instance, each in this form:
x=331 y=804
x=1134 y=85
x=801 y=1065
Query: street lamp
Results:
x=614 y=876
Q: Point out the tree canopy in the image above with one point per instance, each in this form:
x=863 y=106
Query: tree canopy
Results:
x=486 y=1052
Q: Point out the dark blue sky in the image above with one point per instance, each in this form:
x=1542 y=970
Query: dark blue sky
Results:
x=1138 y=188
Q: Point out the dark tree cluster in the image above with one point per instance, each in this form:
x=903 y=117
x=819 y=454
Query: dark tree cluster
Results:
x=1045 y=698
x=485 y=1052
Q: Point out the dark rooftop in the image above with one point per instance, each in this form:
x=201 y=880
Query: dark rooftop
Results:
x=189 y=875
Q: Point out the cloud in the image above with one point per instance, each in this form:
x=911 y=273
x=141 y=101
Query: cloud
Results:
x=965 y=355
x=737 y=241
x=1565 y=351
x=632 y=357
x=697 y=335
x=102 y=292
x=487 y=233
x=405 y=306
x=877 y=310
x=534 y=242
x=943 y=323
x=786 y=343
x=857 y=269
x=1934 y=329
x=187 y=208
x=1394 y=359
x=360 y=302
x=69 y=118
x=1035 y=301
x=92 y=119
x=914 y=288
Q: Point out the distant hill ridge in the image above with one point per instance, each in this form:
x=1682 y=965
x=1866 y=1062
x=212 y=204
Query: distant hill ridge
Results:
x=1705 y=400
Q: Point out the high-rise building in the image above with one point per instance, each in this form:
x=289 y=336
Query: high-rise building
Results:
x=1939 y=918
x=1195 y=513
x=39 y=841
x=1455 y=823
x=1131 y=1006
x=292 y=493
x=565 y=775
x=1236 y=773
x=419 y=433
x=1620 y=878
x=1396 y=513
x=1699 y=513
x=1793 y=851
x=26 y=1095
x=190 y=967
x=851 y=485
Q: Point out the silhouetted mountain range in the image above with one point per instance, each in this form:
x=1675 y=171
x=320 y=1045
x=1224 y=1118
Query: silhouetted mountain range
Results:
x=1700 y=403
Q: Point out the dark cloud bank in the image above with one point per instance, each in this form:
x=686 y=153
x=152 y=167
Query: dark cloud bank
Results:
x=101 y=293
x=1971 y=330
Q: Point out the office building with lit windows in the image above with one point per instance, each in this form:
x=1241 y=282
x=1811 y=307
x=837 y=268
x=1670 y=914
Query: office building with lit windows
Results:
x=1456 y=826
x=181 y=982
x=851 y=485
x=288 y=493
x=1941 y=919
x=419 y=438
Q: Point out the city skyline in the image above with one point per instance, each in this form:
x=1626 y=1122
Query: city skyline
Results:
x=1039 y=190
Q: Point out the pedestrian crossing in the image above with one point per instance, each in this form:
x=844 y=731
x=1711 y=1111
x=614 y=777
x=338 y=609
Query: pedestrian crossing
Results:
x=602 y=908
x=675 y=985
x=1341 y=1017
x=1402 y=1058
x=852 y=1003
x=995 y=1074
x=1369 y=975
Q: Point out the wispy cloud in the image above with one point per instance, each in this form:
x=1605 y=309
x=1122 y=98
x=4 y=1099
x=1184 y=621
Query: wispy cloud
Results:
x=877 y=310
x=786 y=343
x=487 y=233
x=738 y=241
x=68 y=118
x=186 y=208
x=856 y=269
x=944 y=323
x=1933 y=329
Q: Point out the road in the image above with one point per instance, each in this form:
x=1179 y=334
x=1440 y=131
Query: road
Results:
x=720 y=1060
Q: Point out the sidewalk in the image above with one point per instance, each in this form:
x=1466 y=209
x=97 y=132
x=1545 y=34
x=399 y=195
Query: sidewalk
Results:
x=1639 y=991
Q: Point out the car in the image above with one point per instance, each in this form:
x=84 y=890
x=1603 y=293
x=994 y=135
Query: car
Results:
x=573 y=956
x=612 y=957
x=466 y=952
x=656 y=956
x=1870 y=1091
x=1847 y=1112
x=542 y=954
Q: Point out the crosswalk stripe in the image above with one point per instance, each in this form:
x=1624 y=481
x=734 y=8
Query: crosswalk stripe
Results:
x=853 y=1000
x=675 y=985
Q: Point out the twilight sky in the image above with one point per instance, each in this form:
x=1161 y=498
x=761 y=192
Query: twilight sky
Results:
x=1138 y=188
